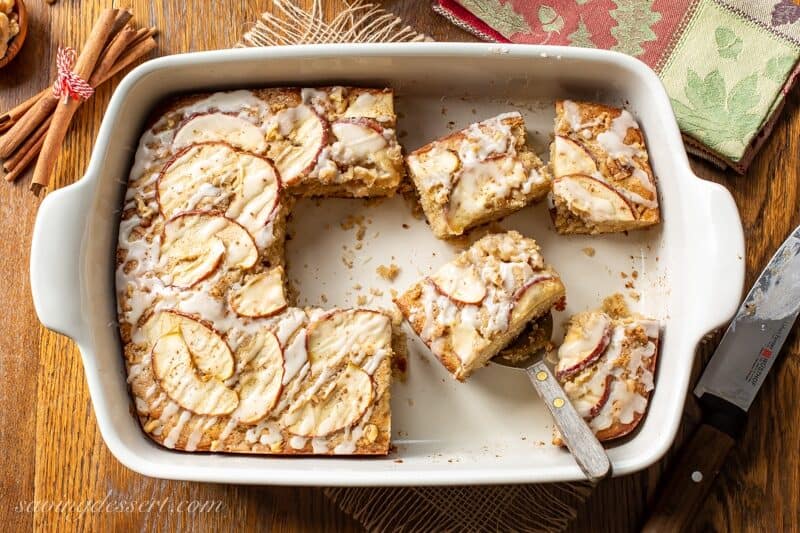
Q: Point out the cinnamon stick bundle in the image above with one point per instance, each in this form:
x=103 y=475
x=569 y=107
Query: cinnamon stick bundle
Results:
x=37 y=126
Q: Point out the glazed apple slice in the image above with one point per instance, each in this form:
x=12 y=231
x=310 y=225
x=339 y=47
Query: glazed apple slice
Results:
x=356 y=140
x=592 y=198
x=209 y=352
x=261 y=295
x=215 y=176
x=220 y=127
x=347 y=334
x=460 y=283
x=525 y=296
x=177 y=375
x=571 y=157
x=586 y=340
x=260 y=379
x=195 y=244
x=341 y=405
x=466 y=341
x=303 y=135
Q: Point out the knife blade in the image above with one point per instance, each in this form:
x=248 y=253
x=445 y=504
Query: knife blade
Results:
x=729 y=384
x=752 y=341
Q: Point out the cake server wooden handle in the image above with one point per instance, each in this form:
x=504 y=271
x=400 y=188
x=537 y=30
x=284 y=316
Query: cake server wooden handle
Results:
x=581 y=441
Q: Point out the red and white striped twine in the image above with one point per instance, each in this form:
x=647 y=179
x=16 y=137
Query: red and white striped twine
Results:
x=68 y=84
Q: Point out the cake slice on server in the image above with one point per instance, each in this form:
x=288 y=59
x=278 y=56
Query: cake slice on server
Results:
x=475 y=305
x=602 y=180
x=607 y=365
x=478 y=174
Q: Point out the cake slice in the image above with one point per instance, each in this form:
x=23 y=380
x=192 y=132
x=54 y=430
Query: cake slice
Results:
x=475 y=305
x=478 y=174
x=602 y=180
x=606 y=366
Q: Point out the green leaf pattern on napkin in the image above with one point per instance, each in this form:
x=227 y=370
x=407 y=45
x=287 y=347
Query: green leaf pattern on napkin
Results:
x=502 y=16
x=634 y=20
x=720 y=85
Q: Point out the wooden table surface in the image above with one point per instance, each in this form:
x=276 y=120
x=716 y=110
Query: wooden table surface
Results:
x=52 y=451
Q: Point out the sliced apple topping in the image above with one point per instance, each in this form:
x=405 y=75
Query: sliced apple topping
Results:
x=303 y=134
x=356 y=140
x=195 y=245
x=592 y=198
x=215 y=176
x=436 y=169
x=371 y=104
x=338 y=407
x=586 y=340
x=460 y=282
x=221 y=127
x=261 y=295
x=466 y=342
x=525 y=297
x=570 y=157
x=261 y=377
x=190 y=364
x=352 y=334
x=210 y=353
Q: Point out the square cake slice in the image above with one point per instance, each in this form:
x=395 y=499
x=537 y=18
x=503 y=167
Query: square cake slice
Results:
x=478 y=174
x=606 y=366
x=475 y=305
x=602 y=180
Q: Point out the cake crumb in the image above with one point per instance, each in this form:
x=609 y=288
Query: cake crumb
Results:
x=623 y=275
x=394 y=293
x=351 y=221
x=376 y=292
x=357 y=287
x=388 y=273
x=361 y=299
x=589 y=251
x=634 y=295
x=324 y=298
x=635 y=274
x=629 y=284
x=615 y=306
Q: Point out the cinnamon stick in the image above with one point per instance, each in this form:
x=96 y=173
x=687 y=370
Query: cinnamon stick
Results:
x=13 y=114
x=27 y=146
x=124 y=61
x=25 y=161
x=63 y=114
x=14 y=137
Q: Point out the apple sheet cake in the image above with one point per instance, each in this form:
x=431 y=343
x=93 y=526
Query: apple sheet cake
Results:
x=475 y=305
x=606 y=365
x=217 y=358
x=478 y=174
x=602 y=180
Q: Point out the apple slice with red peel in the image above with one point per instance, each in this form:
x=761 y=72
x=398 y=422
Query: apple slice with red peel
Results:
x=571 y=157
x=220 y=127
x=460 y=283
x=586 y=340
x=592 y=198
x=353 y=334
x=176 y=373
x=260 y=378
x=595 y=410
x=341 y=406
x=304 y=133
x=435 y=166
x=525 y=295
x=195 y=244
x=215 y=176
x=356 y=140
x=261 y=295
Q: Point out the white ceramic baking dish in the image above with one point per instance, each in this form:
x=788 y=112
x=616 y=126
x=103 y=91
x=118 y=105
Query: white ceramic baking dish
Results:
x=492 y=429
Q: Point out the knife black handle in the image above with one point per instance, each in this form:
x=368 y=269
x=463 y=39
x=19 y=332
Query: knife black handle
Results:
x=689 y=480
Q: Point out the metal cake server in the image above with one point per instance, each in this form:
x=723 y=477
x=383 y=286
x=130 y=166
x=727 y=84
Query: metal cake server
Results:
x=527 y=353
x=729 y=384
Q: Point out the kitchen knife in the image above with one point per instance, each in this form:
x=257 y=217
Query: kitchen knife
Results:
x=729 y=384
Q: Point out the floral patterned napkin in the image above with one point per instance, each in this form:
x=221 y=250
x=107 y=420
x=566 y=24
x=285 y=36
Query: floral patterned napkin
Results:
x=727 y=65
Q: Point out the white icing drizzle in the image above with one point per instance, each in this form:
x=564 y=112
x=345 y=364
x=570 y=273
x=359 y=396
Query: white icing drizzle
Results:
x=175 y=432
x=622 y=401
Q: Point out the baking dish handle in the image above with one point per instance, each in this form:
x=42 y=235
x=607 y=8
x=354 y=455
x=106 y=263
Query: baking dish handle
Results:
x=56 y=259
x=723 y=255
